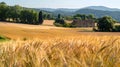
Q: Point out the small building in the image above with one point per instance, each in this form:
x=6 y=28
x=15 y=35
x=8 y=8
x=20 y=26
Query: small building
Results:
x=83 y=23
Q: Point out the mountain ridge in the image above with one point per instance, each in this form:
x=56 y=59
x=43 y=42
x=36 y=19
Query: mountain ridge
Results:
x=104 y=8
x=98 y=11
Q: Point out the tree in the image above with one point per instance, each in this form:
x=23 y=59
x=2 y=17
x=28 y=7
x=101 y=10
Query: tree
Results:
x=2 y=3
x=14 y=13
x=44 y=16
x=59 y=21
x=18 y=14
x=91 y=16
x=40 y=17
x=28 y=16
x=106 y=23
x=70 y=18
x=3 y=11
x=81 y=16
x=59 y=16
x=48 y=16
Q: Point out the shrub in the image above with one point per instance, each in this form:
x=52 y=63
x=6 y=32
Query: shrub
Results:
x=117 y=28
x=64 y=25
x=94 y=29
x=58 y=24
x=60 y=21
x=106 y=23
x=69 y=25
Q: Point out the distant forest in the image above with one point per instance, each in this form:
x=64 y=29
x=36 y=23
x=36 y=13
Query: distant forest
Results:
x=20 y=14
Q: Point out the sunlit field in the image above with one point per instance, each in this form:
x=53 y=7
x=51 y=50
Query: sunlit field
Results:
x=47 y=30
x=81 y=51
x=49 y=46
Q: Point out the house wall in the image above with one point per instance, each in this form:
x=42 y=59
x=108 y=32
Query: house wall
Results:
x=84 y=23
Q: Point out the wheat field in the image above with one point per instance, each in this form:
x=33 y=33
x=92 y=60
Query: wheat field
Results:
x=49 y=46
x=83 y=51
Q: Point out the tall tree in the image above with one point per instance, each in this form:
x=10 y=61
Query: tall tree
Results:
x=59 y=16
x=28 y=16
x=40 y=17
x=3 y=11
x=15 y=13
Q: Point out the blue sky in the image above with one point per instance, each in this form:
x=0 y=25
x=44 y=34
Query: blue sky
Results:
x=64 y=3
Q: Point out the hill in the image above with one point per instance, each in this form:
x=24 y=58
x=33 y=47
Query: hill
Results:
x=102 y=8
x=53 y=9
x=98 y=11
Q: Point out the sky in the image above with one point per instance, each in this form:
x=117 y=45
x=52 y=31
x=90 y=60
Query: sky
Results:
x=63 y=3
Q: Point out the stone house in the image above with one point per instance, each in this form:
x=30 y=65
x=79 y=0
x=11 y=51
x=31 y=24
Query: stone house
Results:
x=83 y=23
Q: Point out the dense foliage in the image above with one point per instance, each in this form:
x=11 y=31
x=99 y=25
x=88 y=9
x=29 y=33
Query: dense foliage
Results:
x=17 y=14
x=117 y=28
x=29 y=16
x=84 y=17
x=59 y=21
x=22 y=15
x=48 y=16
x=3 y=11
x=40 y=17
x=106 y=23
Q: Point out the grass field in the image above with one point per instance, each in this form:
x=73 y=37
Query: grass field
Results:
x=49 y=46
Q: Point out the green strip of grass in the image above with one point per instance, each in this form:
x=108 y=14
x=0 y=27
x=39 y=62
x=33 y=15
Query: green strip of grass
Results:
x=3 y=39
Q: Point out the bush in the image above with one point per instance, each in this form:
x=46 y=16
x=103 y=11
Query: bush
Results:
x=60 y=21
x=67 y=25
x=117 y=28
x=94 y=29
x=106 y=23
x=58 y=24
x=64 y=25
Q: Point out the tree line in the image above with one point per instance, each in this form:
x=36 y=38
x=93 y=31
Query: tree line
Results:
x=103 y=24
x=60 y=20
x=20 y=14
